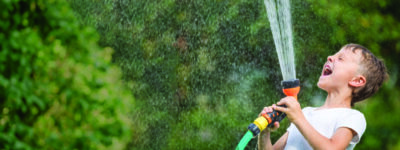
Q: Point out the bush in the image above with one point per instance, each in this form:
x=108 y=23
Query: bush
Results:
x=58 y=87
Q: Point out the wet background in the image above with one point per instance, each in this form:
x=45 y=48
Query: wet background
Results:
x=175 y=74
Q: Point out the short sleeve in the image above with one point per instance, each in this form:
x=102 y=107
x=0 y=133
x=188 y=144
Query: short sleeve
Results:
x=354 y=120
x=290 y=128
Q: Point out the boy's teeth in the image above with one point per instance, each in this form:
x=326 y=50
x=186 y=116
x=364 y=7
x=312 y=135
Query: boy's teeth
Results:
x=327 y=70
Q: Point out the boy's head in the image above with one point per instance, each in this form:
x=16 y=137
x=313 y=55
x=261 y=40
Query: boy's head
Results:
x=354 y=67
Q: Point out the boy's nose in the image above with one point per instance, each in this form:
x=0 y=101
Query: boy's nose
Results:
x=330 y=59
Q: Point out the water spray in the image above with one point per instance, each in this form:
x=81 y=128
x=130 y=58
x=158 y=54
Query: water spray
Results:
x=280 y=21
x=289 y=88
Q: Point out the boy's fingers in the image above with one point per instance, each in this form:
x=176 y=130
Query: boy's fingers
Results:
x=276 y=126
x=271 y=109
x=282 y=102
x=292 y=98
x=273 y=106
x=282 y=109
x=265 y=110
x=286 y=100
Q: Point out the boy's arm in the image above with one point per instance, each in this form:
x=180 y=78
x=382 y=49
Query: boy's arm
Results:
x=280 y=144
x=340 y=140
x=264 y=141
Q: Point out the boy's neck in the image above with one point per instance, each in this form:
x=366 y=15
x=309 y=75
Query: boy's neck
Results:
x=338 y=99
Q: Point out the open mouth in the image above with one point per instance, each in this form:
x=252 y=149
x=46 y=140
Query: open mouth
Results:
x=327 y=70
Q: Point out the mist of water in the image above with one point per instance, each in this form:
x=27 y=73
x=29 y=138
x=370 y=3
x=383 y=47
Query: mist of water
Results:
x=280 y=21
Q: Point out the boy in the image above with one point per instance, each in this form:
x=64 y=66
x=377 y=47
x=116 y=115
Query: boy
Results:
x=351 y=75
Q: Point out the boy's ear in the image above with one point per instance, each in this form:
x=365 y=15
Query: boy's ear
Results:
x=358 y=81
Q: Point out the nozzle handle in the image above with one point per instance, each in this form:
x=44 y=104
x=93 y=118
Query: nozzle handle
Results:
x=276 y=116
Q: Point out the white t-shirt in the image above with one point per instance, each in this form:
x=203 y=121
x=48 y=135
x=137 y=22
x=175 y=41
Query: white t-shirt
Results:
x=326 y=122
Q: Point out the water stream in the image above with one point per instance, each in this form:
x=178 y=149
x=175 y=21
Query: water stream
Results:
x=281 y=26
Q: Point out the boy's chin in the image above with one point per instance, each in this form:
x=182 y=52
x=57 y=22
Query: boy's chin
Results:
x=322 y=85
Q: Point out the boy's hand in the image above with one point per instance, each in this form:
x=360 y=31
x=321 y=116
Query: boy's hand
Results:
x=265 y=111
x=292 y=110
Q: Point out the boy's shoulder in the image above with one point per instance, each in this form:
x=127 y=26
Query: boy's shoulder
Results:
x=308 y=108
x=344 y=111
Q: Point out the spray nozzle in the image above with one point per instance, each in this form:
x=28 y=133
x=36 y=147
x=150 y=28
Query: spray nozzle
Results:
x=291 y=87
x=290 y=83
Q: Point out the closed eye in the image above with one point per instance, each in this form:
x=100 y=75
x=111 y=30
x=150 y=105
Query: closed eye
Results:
x=341 y=57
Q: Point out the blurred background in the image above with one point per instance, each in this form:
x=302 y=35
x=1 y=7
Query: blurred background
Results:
x=175 y=74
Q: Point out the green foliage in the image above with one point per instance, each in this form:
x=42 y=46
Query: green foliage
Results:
x=58 y=89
